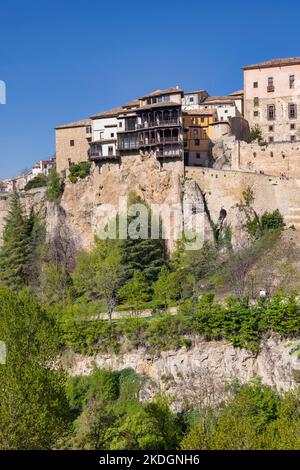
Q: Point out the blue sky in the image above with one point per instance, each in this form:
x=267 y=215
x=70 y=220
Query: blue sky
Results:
x=65 y=60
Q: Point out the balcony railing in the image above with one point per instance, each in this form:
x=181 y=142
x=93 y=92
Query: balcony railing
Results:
x=169 y=154
x=128 y=145
x=97 y=155
x=163 y=123
x=162 y=140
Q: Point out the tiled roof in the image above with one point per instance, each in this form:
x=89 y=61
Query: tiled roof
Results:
x=82 y=123
x=163 y=104
x=194 y=92
x=237 y=93
x=200 y=112
x=168 y=91
x=274 y=63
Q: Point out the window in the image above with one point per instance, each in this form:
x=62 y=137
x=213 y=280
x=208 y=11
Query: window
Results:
x=198 y=155
x=110 y=150
x=72 y=143
x=191 y=99
x=292 y=110
x=226 y=111
x=271 y=128
x=256 y=101
x=196 y=142
x=271 y=139
x=292 y=81
x=270 y=84
x=195 y=132
x=271 y=112
x=255 y=114
x=202 y=119
x=292 y=127
x=255 y=84
x=293 y=138
x=88 y=129
x=120 y=124
x=112 y=134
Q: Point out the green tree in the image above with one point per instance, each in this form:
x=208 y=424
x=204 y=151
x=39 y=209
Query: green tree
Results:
x=34 y=413
x=15 y=252
x=54 y=284
x=136 y=291
x=55 y=186
x=99 y=273
x=166 y=288
x=142 y=253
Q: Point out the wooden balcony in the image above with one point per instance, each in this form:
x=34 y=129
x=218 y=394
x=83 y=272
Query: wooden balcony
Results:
x=164 y=123
x=157 y=141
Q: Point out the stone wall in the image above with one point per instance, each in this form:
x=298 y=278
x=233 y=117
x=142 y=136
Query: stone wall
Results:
x=201 y=374
x=280 y=159
x=223 y=190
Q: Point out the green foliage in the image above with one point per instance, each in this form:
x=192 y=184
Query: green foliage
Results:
x=18 y=245
x=79 y=170
x=54 y=284
x=55 y=186
x=255 y=133
x=99 y=273
x=258 y=226
x=255 y=418
x=238 y=321
x=166 y=288
x=38 y=181
x=33 y=409
x=136 y=291
x=142 y=254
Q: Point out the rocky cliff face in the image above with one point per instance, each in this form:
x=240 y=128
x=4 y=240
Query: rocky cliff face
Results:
x=201 y=375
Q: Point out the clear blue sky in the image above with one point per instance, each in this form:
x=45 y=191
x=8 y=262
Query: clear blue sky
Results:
x=65 y=60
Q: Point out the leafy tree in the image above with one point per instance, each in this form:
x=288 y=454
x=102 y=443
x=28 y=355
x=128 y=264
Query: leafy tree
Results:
x=33 y=409
x=255 y=133
x=54 y=284
x=136 y=291
x=166 y=287
x=99 y=273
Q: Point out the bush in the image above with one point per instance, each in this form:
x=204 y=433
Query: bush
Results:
x=79 y=170
x=38 y=181
x=55 y=187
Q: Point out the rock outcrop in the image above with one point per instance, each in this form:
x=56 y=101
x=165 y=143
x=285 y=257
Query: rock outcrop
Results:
x=201 y=375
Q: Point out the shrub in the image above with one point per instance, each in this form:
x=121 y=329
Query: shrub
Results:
x=38 y=181
x=79 y=170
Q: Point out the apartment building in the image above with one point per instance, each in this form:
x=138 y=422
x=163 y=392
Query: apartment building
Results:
x=272 y=98
x=159 y=119
x=197 y=135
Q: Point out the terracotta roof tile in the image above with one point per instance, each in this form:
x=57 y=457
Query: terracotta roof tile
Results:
x=274 y=63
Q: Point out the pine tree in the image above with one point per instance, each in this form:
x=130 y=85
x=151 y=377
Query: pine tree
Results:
x=15 y=252
x=146 y=255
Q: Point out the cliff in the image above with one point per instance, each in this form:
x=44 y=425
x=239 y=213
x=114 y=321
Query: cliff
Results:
x=201 y=375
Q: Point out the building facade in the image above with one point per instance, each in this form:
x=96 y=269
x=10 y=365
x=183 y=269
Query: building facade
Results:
x=72 y=143
x=197 y=136
x=272 y=98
